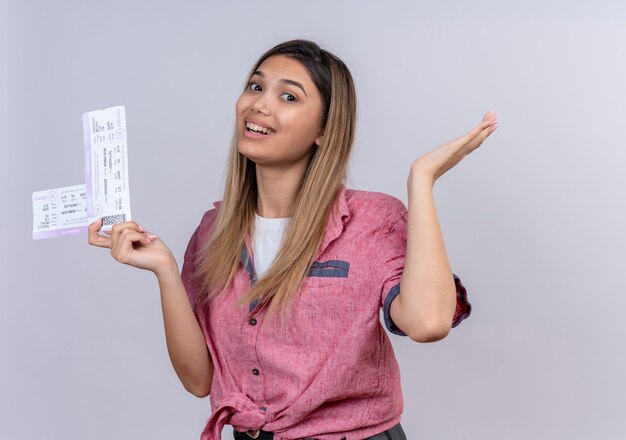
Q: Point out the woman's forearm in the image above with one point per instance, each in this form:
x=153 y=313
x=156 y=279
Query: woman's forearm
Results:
x=185 y=341
x=427 y=298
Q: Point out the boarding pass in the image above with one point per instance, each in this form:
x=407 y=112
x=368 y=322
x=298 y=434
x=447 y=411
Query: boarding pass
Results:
x=106 y=166
x=105 y=193
x=59 y=211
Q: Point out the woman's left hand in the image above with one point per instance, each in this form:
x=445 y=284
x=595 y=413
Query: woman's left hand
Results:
x=435 y=163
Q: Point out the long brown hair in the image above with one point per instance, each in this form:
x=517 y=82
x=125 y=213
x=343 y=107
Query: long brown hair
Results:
x=314 y=198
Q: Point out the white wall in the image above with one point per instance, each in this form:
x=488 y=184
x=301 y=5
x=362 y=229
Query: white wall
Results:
x=533 y=220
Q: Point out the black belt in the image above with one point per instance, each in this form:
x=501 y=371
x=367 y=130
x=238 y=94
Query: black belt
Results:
x=394 y=433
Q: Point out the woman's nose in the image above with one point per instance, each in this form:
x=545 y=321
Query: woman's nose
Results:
x=260 y=105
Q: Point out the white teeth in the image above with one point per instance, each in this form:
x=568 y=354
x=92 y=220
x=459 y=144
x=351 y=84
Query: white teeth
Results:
x=259 y=128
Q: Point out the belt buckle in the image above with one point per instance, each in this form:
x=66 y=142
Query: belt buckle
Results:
x=253 y=434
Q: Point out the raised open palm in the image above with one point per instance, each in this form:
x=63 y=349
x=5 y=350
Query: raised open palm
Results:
x=439 y=160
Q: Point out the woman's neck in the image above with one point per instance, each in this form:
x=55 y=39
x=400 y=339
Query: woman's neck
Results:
x=276 y=190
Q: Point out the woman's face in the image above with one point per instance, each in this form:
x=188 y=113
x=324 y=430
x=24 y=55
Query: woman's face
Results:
x=281 y=96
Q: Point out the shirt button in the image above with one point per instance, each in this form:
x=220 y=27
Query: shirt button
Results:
x=255 y=371
x=252 y=321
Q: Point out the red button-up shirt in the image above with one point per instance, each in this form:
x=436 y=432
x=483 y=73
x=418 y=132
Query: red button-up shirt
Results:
x=332 y=374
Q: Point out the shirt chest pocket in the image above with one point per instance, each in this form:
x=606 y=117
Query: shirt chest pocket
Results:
x=328 y=273
x=325 y=313
x=327 y=283
x=327 y=309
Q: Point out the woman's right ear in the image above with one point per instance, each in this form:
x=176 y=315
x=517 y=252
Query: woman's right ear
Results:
x=319 y=139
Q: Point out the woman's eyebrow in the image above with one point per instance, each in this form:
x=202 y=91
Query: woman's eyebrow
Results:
x=283 y=80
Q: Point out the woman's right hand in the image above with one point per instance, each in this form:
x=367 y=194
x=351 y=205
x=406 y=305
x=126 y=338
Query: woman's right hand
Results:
x=131 y=244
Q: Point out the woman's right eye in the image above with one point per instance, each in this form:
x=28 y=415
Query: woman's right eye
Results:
x=251 y=84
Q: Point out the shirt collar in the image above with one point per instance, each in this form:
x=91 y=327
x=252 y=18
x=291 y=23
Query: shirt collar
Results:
x=335 y=222
x=339 y=214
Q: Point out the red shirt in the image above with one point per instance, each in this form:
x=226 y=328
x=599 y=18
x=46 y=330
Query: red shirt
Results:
x=332 y=374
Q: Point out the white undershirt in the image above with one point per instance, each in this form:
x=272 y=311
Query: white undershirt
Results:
x=267 y=238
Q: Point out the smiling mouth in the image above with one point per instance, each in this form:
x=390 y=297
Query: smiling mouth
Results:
x=249 y=130
x=257 y=129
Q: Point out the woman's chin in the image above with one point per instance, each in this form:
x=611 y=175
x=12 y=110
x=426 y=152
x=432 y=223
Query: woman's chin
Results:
x=249 y=153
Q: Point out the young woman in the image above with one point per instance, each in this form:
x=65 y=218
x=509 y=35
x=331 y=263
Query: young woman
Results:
x=276 y=312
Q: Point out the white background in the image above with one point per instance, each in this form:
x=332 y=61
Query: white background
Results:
x=533 y=220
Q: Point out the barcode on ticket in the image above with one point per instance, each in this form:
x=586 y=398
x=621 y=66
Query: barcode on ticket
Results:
x=113 y=219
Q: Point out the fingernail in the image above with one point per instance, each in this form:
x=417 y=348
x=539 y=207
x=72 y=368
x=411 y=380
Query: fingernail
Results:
x=141 y=229
x=495 y=121
x=152 y=236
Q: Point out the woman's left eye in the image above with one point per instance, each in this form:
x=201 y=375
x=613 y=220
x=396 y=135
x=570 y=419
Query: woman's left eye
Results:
x=289 y=94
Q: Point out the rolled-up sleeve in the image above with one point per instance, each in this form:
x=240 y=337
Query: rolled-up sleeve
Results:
x=393 y=251
x=189 y=266
x=188 y=272
x=463 y=307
